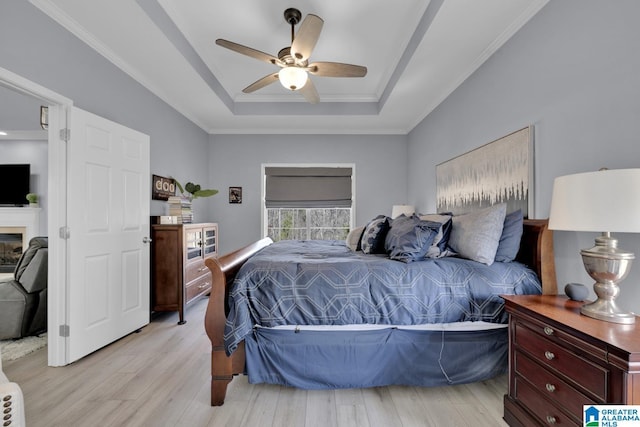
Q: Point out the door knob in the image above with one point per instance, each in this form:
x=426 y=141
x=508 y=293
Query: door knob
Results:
x=146 y=240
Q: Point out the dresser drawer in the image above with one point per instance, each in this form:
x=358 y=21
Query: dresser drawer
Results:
x=198 y=287
x=550 y=385
x=195 y=270
x=544 y=410
x=587 y=375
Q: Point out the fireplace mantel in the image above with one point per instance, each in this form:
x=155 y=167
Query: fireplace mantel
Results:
x=26 y=217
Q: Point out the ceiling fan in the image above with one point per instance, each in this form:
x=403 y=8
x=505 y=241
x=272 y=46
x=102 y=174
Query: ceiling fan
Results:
x=294 y=60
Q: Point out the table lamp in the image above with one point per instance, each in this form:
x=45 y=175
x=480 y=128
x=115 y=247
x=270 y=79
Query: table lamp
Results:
x=398 y=210
x=604 y=201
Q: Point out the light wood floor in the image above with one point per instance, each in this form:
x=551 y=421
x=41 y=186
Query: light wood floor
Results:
x=160 y=377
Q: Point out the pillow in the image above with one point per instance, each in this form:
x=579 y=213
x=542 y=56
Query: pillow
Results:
x=438 y=248
x=511 y=235
x=354 y=237
x=372 y=241
x=409 y=238
x=476 y=235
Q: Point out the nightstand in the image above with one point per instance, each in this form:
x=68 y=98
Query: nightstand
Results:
x=560 y=360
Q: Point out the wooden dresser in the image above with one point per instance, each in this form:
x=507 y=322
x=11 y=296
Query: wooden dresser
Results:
x=178 y=273
x=560 y=360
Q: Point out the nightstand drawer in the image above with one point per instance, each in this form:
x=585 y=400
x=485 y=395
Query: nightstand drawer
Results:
x=544 y=410
x=584 y=373
x=550 y=385
x=198 y=287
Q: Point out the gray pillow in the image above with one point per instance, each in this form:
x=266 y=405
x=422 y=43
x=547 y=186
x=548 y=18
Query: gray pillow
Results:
x=476 y=235
x=354 y=237
x=372 y=241
x=439 y=247
x=409 y=238
x=511 y=235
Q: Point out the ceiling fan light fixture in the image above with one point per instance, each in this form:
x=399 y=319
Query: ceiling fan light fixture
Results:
x=292 y=77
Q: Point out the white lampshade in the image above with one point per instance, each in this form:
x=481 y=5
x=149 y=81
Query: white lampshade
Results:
x=398 y=210
x=602 y=201
x=292 y=77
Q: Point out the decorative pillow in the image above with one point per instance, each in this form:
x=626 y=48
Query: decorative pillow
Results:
x=476 y=235
x=511 y=235
x=374 y=234
x=439 y=248
x=354 y=237
x=409 y=238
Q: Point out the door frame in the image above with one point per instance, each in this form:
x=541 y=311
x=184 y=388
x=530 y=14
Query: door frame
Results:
x=59 y=109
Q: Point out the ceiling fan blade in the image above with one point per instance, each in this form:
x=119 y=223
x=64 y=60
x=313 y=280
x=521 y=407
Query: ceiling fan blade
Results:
x=309 y=92
x=261 y=56
x=306 y=37
x=259 y=84
x=337 y=69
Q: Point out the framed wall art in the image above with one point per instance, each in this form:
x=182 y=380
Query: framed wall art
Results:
x=500 y=171
x=162 y=188
x=235 y=194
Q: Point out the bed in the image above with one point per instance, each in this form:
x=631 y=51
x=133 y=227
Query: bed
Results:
x=341 y=342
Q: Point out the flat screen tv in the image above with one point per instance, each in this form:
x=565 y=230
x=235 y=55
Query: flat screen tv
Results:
x=14 y=184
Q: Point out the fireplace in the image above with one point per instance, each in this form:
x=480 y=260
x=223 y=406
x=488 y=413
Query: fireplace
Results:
x=17 y=227
x=10 y=250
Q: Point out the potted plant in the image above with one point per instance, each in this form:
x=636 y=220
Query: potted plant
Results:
x=195 y=190
x=32 y=198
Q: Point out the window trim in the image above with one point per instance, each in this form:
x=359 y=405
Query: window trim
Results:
x=263 y=209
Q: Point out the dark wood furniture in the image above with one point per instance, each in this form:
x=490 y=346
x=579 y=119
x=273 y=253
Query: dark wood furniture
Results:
x=560 y=360
x=536 y=251
x=178 y=272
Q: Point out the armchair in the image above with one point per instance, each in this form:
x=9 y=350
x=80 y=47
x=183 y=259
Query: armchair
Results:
x=11 y=400
x=23 y=299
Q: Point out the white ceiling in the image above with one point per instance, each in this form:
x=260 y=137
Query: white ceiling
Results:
x=416 y=51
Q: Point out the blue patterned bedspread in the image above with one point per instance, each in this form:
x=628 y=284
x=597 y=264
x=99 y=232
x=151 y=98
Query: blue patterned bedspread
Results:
x=325 y=283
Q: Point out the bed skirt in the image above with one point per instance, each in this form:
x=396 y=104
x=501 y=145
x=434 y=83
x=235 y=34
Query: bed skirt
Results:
x=359 y=359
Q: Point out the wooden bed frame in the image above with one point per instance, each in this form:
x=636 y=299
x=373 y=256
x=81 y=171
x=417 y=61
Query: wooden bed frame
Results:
x=536 y=251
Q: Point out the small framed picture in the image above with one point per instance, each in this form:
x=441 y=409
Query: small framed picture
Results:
x=235 y=194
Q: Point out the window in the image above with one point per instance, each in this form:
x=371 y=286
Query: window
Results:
x=308 y=202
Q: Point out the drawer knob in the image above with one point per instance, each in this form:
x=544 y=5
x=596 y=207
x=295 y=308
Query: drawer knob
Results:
x=549 y=355
x=205 y=285
x=551 y=419
x=550 y=388
x=548 y=330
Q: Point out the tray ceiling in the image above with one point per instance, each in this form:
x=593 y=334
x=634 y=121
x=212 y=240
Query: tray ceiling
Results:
x=417 y=52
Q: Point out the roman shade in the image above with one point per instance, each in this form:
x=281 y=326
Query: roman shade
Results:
x=308 y=187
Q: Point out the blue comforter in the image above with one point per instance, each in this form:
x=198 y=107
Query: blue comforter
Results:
x=320 y=282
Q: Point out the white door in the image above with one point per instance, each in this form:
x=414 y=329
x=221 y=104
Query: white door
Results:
x=108 y=198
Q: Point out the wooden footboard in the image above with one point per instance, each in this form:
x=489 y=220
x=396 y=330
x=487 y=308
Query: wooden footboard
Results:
x=536 y=251
x=223 y=271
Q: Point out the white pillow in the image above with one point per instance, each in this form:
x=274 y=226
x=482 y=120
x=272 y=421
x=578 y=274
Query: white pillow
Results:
x=476 y=235
x=353 y=238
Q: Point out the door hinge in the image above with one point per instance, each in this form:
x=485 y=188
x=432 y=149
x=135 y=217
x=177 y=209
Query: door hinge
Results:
x=65 y=134
x=64 y=233
x=64 y=330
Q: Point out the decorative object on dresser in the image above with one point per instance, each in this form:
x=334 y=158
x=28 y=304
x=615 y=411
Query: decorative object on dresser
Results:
x=604 y=201
x=560 y=361
x=178 y=272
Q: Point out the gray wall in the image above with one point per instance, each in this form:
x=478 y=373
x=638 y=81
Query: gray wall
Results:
x=236 y=160
x=37 y=48
x=572 y=72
